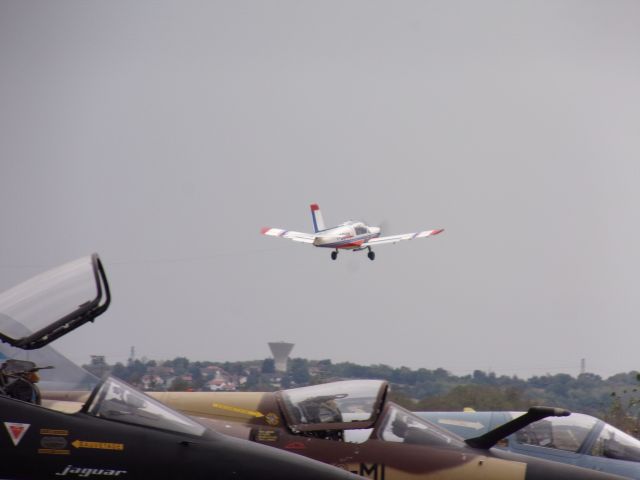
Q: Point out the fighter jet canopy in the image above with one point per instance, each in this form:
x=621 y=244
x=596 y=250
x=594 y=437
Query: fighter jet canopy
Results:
x=114 y=399
x=53 y=303
x=345 y=405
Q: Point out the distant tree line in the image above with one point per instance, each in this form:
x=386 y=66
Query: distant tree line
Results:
x=616 y=398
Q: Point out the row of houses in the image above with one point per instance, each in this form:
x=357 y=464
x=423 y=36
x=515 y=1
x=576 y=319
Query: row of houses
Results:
x=180 y=374
x=214 y=379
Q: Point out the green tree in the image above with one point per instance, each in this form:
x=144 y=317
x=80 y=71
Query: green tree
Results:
x=179 y=385
x=402 y=399
x=180 y=365
x=252 y=380
x=268 y=366
x=624 y=410
x=299 y=370
x=478 y=397
x=119 y=371
x=197 y=377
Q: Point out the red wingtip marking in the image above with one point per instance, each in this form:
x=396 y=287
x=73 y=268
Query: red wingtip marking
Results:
x=314 y=207
x=436 y=232
x=264 y=230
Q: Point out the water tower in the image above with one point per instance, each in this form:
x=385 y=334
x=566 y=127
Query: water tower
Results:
x=280 y=352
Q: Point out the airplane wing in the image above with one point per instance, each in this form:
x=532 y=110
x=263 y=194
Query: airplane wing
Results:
x=290 y=234
x=398 y=238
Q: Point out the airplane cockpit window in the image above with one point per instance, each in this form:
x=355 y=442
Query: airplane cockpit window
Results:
x=49 y=305
x=115 y=400
x=614 y=443
x=337 y=402
x=563 y=433
x=402 y=426
x=361 y=230
x=28 y=307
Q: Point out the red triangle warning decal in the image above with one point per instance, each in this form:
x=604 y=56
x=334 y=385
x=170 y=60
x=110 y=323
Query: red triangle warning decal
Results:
x=16 y=431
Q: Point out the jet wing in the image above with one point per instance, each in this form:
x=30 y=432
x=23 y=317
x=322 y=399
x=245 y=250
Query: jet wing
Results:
x=290 y=234
x=398 y=238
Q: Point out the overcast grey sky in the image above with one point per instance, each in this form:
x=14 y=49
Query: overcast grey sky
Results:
x=163 y=135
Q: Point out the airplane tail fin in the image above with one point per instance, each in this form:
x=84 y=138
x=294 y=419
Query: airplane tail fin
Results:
x=316 y=215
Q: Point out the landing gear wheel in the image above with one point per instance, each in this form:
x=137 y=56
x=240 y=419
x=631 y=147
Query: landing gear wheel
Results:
x=371 y=255
x=334 y=255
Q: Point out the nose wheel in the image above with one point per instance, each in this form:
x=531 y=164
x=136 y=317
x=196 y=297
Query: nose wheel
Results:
x=334 y=255
x=371 y=255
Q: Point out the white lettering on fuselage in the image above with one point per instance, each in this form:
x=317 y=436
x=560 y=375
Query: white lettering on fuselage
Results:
x=85 y=472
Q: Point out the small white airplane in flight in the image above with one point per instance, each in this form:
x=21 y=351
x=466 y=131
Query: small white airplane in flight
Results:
x=349 y=235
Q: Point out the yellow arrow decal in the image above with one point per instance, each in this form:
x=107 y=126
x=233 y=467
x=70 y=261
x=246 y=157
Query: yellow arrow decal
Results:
x=98 y=445
x=251 y=413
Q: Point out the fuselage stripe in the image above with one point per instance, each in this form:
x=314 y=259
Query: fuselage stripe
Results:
x=355 y=242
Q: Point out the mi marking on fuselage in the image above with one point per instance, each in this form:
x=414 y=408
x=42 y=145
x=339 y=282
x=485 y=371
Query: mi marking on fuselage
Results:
x=372 y=471
x=355 y=236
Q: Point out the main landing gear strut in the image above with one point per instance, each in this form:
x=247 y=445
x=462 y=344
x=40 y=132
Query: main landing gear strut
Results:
x=371 y=254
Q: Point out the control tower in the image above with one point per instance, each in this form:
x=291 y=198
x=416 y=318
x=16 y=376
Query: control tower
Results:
x=280 y=352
